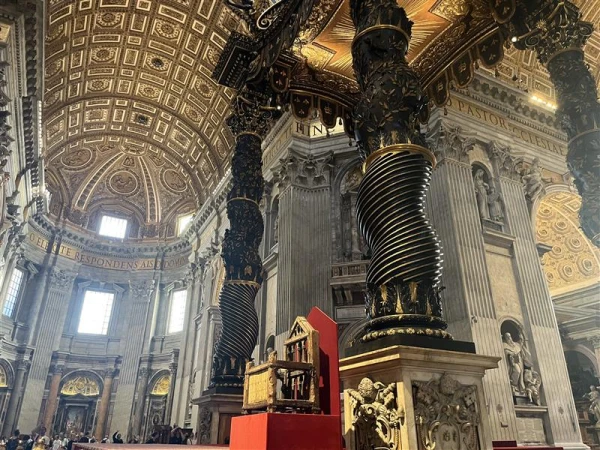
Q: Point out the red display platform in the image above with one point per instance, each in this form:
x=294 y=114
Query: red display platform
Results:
x=512 y=445
x=279 y=431
x=110 y=446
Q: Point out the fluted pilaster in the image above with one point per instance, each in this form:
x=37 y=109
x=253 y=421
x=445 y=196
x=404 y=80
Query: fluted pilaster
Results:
x=138 y=301
x=304 y=245
x=539 y=312
x=53 y=309
x=471 y=313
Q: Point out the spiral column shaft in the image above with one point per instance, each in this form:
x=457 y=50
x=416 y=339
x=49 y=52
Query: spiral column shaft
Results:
x=403 y=278
x=243 y=267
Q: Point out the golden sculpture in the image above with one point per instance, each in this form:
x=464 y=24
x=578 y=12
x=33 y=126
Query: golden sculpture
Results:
x=3 y=378
x=85 y=386
x=161 y=386
x=291 y=384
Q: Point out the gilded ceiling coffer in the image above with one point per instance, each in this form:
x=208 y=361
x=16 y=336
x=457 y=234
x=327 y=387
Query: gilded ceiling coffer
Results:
x=403 y=278
x=251 y=120
x=554 y=29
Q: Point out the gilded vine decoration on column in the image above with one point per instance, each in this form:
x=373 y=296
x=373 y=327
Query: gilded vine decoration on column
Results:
x=554 y=29
x=403 y=278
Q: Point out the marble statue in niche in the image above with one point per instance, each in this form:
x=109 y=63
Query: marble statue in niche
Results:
x=481 y=193
x=495 y=205
x=353 y=245
x=525 y=381
x=490 y=202
x=594 y=397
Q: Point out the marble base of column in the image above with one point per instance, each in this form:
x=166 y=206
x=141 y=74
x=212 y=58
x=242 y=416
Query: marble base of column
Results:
x=410 y=397
x=216 y=408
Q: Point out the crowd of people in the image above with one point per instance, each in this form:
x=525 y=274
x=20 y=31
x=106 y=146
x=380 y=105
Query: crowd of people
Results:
x=42 y=441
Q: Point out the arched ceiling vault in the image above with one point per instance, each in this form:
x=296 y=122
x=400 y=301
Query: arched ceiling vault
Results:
x=131 y=113
x=573 y=262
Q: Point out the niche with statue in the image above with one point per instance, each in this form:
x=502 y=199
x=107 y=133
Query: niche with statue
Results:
x=490 y=203
x=525 y=381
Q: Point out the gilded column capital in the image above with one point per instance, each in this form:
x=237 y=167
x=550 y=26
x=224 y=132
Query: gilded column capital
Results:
x=551 y=29
x=252 y=113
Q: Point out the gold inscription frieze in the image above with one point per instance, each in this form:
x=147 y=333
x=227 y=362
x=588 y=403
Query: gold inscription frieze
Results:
x=104 y=262
x=498 y=120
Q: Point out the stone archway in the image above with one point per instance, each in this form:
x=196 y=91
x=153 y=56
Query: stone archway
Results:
x=80 y=392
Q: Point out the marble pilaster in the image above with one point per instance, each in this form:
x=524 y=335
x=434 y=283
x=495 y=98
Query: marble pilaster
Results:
x=304 y=237
x=139 y=301
x=52 y=399
x=468 y=300
x=142 y=384
x=22 y=368
x=540 y=319
x=46 y=340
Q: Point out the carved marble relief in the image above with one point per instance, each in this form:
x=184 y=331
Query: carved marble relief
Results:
x=446 y=414
x=376 y=417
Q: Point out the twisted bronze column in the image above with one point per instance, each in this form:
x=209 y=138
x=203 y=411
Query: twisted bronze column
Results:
x=252 y=116
x=554 y=29
x=403 y=278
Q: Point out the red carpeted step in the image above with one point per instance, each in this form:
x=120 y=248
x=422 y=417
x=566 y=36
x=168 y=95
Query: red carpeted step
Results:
x=512 y=445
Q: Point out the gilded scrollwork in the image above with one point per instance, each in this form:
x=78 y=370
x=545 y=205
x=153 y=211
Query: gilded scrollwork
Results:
x=376 y=416
x=446 y=414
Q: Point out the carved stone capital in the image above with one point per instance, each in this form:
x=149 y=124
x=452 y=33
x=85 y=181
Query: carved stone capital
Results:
x=502 y=157
x=144 y=372
x=308 y=171
x=451 y=141
x=60 y=279
x=595 y=340
x=23 y=364
x=58 y=369
x=141 y=290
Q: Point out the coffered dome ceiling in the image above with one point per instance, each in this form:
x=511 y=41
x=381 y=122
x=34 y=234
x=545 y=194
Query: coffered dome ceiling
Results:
x=133 y=120
x=573 y=262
